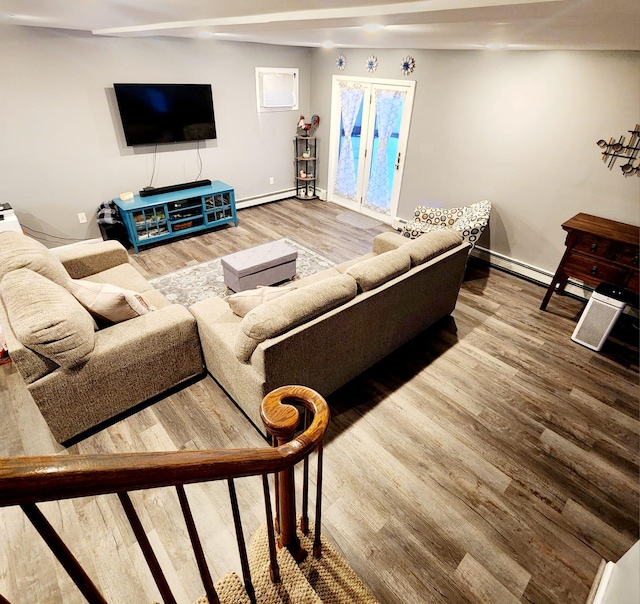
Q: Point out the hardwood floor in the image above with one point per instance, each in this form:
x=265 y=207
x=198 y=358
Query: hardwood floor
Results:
x=490 y=460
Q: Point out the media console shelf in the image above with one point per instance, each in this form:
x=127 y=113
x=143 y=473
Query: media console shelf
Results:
x=168 y=215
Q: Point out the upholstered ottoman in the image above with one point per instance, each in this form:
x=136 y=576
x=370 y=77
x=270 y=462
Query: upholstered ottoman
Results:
x=264 y=264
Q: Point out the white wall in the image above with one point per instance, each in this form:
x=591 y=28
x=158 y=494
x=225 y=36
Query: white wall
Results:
x=518 y=128
x=61 y=145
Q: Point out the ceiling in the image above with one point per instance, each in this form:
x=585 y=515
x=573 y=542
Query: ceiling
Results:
x=414 y=24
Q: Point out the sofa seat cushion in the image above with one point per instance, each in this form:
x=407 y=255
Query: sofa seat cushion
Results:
x=108 y=302
x=432 y=244
x=19 y=251
x=295 y=308
x=375 y=271
x=46 y=318
x=242 y=302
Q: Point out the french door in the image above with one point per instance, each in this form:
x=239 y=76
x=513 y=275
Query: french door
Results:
x=370 y=121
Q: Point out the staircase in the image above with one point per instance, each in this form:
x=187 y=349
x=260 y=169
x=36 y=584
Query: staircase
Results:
x=324 y=580
x=288 y=560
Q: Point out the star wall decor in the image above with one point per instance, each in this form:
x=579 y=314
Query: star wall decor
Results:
x=341 y=62
x=372 y=63
x=408 y=65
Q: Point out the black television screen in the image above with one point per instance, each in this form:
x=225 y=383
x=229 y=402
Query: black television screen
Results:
x=165 y=113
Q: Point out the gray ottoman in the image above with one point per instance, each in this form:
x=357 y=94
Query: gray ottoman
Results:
x=261 y=265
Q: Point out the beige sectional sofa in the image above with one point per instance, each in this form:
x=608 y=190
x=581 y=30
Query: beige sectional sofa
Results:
x=334 y=324
x=81 y=367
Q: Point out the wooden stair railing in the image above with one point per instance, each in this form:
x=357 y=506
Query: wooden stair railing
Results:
x=26 y=481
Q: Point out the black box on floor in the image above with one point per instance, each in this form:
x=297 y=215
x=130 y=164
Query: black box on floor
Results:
x=116 y=232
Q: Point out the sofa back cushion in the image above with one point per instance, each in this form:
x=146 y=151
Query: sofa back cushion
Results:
x=46 y=318
x=372 y=272
x=429 y=245
x=19 y=251
x=295 y=308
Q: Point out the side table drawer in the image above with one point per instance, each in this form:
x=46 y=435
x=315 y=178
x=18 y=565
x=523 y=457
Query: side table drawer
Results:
x=628 y=255
x=591 y=244
x=595 y=271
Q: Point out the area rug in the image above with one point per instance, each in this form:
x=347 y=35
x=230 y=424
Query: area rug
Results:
x=198 y=282
x=358 y=221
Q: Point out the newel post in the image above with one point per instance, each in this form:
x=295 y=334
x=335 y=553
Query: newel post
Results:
x=281 y=420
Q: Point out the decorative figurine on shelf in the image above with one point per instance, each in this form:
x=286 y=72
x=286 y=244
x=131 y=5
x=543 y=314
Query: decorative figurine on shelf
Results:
x=308 y=128
x=302 y=174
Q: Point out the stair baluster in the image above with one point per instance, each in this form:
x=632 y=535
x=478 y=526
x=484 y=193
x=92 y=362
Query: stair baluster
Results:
x=242 y=548
x=304 y=522
x=317 y=546
x=63 y=554
x=207 y=582
x=274 y=569
x=147 y=550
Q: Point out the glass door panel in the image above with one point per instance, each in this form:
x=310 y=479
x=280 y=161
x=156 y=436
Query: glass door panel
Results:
x=384 y=165
x=369 y=131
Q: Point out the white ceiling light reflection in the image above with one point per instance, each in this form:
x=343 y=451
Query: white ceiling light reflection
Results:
x=372 y=27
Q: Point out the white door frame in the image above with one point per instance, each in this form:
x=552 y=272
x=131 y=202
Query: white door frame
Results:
x=367 y=139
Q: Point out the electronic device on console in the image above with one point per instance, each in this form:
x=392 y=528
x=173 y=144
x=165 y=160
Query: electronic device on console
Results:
x=148 y=192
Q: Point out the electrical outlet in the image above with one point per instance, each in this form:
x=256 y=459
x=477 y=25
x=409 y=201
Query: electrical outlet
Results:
x=82 y=218
x=271 y=180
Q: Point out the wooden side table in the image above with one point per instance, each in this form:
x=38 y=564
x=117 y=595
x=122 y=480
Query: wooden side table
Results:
x=598 y=251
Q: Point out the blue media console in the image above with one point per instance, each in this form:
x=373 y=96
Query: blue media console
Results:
x=167 y=215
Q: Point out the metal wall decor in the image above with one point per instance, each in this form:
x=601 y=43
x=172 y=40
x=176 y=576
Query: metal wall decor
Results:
x=341 y=62
x=613 y=150
x=372 y=63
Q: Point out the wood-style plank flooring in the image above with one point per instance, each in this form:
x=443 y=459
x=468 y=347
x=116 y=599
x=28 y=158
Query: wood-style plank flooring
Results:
x=490 y=460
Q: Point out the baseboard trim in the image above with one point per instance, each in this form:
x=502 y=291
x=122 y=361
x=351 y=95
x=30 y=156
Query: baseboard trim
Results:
x=257 y=200
x=604 y=582
x=528 y=271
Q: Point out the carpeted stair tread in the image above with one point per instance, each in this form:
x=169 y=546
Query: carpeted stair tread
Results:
x=293 y=586
x=230 y=590
x=332 y=579
x=326 y=580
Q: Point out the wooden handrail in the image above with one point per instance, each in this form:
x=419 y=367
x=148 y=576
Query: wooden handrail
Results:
x=35 y=479
x=26 y=481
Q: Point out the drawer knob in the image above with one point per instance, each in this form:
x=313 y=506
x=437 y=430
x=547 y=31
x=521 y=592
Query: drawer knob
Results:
x=635 y=261
x=594 y=247
x=594 y=270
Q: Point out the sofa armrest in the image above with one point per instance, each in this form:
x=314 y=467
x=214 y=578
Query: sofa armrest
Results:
x=385 y=242
x=91 y=258
x=132 y=362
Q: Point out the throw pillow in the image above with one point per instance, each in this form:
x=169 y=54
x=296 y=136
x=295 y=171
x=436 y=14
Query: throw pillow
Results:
x=242 y=302
x=46 y=318
x=108 y=302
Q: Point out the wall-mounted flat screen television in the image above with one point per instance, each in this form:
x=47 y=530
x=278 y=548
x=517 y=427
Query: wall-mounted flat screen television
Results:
x=165 y=113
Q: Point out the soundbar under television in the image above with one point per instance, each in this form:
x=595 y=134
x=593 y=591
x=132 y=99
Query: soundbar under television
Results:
x=165 y=113
x=150 y=192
